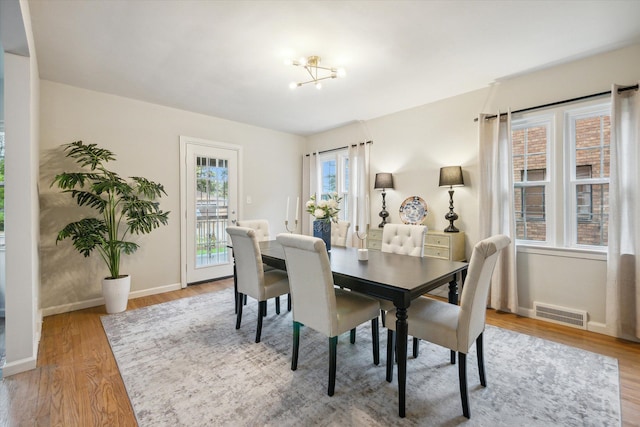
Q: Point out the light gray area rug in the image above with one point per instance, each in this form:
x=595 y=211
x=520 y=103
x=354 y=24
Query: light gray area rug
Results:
x=184 y=364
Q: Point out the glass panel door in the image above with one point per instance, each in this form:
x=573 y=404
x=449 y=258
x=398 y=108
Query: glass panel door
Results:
x=211 y=206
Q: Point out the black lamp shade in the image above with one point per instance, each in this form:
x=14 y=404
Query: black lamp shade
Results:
x=450 y=176
x=383 y=180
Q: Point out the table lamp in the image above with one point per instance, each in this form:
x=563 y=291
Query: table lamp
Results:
x=384 y=180
x=451 y=176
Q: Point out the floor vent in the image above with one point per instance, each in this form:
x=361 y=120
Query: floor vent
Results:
x=562 y=315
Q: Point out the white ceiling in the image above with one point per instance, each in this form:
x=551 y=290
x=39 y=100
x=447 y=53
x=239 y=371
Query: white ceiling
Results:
x=225 y=58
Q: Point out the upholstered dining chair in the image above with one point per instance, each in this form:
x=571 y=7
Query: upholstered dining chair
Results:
x=403 y=239
x=452 y=326
x=251 y=278
x=339 y=233
x=317 y=304
x=261 y=227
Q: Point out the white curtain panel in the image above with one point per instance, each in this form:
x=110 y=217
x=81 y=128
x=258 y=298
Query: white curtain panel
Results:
x=496 y=205
x=310 y=186
x=623 y=269
x=359 y=201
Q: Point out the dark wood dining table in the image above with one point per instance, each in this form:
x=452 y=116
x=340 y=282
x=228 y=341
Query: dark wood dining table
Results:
x=397 y=278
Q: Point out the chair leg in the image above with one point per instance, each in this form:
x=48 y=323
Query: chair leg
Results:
x=352 y=336
x=277 y=305
x=288 y=302
x=296 y=345
x=391 y=351
x=453 y=357
x=462 y=376
x=239 y=310
x=383 y=315
x=416 y=347
x=375 y=338
x=333 y=346
x=262 y=310
x=480 y=351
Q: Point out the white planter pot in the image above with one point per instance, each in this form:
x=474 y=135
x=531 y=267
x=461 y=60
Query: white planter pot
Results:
x=116 y=293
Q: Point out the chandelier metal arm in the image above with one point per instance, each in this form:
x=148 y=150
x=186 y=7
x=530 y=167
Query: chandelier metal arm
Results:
x=311 y=65
x=316 y=80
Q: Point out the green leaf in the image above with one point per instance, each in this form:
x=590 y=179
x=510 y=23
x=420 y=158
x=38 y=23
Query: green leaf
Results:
x=85 y=234
x=88 y=155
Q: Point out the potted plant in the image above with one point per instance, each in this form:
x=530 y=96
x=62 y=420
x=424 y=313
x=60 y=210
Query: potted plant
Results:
x=325 y=211
x=122 y=207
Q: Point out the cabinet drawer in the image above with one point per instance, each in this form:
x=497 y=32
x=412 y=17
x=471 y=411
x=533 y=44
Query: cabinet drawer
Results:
x=375 y=244
x=436 y=240
x=436 y=252
x=375 y=233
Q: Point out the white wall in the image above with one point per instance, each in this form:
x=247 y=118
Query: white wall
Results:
x=415 y=143
x=21 y=196
x=146 y=140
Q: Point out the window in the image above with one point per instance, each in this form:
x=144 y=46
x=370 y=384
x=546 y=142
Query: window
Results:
x=561 y=176
x=334 y=170
x=530 y=140
x=589 y=167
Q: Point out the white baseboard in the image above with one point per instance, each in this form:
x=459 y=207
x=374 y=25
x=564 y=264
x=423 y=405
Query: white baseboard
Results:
x=18 y=366
x=79 y=305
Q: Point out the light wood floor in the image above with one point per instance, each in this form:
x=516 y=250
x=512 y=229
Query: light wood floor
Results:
x=77 y=383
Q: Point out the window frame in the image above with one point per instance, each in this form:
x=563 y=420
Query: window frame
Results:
x=529 y=121
x=341 y=158
x=571 y=115
x=561 y=209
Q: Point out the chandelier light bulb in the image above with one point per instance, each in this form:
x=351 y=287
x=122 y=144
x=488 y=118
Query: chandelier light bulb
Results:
x=293 y=85
x=288 y=61
x=302 y=61
x=341 y=72
x=318 y=85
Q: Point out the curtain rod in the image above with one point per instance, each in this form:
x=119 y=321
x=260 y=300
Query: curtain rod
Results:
x=565 y=101
x=339 y=148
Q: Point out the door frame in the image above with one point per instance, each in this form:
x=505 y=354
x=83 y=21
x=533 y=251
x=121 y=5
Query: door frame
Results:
x=191 y=141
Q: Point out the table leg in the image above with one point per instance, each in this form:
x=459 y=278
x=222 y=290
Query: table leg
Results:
x=235 y=284
x=453 y=292
x=401 y=349
x=453 y=299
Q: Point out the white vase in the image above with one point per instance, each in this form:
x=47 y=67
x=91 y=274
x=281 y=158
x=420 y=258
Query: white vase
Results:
x=116 y=293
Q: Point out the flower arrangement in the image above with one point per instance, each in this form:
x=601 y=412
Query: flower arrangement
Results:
x=324 y=210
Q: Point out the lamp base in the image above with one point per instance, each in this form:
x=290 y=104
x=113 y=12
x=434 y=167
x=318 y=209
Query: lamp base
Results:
x=384 y=215
x=451 y=229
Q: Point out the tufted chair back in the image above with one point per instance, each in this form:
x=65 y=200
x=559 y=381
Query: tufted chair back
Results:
x=261 y=227
x=404 y=239
x=339 y=233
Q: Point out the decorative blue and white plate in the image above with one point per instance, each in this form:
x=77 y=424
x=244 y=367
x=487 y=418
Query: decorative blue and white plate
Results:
x=413 y=210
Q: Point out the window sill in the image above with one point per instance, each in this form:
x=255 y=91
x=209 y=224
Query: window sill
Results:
x=563 y=252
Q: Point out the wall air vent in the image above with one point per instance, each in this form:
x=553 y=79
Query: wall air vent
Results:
x=561 y=315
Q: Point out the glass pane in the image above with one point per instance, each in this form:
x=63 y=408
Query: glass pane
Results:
x=212 y=200
x=328 y=177
x=592 y=144
x=593 y=224
x=529 y=146
x=517 y=142
x=530 y=213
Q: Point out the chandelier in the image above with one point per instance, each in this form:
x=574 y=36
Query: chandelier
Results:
x=315 y=71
